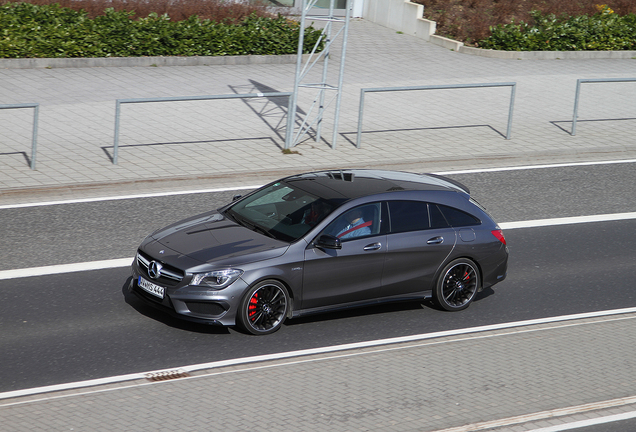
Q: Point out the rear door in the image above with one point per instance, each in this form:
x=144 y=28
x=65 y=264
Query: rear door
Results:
x=419 y=241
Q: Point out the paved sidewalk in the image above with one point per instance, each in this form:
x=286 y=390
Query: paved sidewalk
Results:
x=511 y=379
x=221 y=143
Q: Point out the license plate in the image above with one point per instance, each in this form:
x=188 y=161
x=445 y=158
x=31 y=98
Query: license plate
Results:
x=150 y=288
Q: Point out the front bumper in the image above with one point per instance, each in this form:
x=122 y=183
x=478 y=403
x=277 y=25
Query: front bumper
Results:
x=189 y=302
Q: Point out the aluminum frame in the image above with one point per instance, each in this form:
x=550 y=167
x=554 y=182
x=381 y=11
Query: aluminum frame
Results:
x=302 y=71
x=363 y=91
x=575 y=115
x=34 y=135
x=119 y=102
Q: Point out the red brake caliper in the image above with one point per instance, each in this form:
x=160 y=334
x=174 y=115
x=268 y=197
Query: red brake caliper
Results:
x=251 y=309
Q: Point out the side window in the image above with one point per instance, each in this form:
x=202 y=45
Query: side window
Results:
x=437 y=218
x=458 y=218
x=408 y=216
x=357 y=222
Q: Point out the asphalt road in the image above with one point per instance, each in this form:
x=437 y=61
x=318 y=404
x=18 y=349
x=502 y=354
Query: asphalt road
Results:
x=78 y=326
x=619 y=426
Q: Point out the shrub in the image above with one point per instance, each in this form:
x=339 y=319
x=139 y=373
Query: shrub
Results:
x=470 y=21
x=231 y=11
x=602 y=31
x=30 y=30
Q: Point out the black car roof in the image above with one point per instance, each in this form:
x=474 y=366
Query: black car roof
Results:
x=350 y=184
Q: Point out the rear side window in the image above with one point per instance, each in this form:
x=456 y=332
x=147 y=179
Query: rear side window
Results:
x=437 y=218
x=458 y=218
x=408 y=216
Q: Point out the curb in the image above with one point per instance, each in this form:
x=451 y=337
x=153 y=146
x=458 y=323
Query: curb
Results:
x=546 y=55
x=459 y=47
x=50 y=63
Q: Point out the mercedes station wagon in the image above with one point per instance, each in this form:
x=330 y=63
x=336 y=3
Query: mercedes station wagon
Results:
x=321 y=241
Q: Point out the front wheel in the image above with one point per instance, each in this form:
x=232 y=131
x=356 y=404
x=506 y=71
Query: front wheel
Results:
x=457 y=285
x=264 y=308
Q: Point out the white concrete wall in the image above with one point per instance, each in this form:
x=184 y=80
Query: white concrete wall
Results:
x=357 y=8
x=407 y=17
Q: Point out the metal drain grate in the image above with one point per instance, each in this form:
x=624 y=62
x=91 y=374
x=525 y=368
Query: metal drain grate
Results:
x=167 y=375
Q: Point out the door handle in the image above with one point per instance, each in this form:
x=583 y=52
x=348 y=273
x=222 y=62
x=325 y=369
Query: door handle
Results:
x=372 y=247
x=435 y=240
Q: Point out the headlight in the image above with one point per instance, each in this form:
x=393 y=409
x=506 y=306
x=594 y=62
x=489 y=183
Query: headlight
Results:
x=217 y=279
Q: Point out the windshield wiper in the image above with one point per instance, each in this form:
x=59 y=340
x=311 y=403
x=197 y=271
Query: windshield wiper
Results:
x=264 y=231
x=250 y=225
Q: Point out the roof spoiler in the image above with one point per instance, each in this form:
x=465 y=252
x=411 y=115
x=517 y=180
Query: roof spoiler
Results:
x=455 y=183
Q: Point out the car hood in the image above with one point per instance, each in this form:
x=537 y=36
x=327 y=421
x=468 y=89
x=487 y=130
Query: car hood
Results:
x=213 y=238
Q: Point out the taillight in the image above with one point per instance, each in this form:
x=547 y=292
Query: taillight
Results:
x=499 y=234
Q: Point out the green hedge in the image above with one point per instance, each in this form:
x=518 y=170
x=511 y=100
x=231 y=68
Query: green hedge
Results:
x=603 y=31
x=28 y=30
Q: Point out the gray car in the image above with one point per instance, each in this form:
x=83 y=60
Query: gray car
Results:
x=322 y=241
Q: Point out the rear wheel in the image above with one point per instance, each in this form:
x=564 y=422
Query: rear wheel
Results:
x=264 y=308
x=457 y=285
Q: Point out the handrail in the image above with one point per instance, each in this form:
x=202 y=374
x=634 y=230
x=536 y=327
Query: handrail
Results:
x=119 y=102
x=34 y=136
x=435 y=87
x=578 y=92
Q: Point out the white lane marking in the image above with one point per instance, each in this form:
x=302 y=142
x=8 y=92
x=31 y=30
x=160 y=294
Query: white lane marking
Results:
x=568 y=220
x=199 y=191
x=299 y=353
x=531 y=167
x=551 y=414
x=65 y=268
x=125 y=262
x=126 y=197
x=589 y=422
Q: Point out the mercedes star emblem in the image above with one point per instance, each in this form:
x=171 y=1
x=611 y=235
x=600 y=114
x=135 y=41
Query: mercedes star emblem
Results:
x=154 y=269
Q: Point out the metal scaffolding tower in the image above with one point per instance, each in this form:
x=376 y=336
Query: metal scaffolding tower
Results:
x=314 y=116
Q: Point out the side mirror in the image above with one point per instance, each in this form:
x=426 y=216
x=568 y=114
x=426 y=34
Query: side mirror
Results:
x=236 y=197
x=329 y=242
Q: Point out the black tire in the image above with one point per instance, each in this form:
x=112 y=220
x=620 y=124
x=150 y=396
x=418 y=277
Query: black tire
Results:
x=263 y=308
x=457 y=285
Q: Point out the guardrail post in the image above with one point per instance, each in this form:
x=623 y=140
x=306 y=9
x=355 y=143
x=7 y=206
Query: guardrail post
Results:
x=116 y=142
x=510 y=110
x=34 y=136
x=576 y=107
x=360 y=113
x=290 y=122
x=34 y=139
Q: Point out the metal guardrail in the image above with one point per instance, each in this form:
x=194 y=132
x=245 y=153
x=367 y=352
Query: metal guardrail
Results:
x=435 y=87
x=578 y=92
x=34 y=137
x=119 y=102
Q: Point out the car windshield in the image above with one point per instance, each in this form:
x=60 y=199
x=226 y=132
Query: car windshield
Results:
x=280 y=211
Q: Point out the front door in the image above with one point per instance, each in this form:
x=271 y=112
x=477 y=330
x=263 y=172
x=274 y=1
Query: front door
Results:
x=339 y=276
x=352 y=273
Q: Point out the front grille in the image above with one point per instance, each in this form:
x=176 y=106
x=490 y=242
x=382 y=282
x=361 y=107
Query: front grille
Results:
x=205 y=308
x=170 y=276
